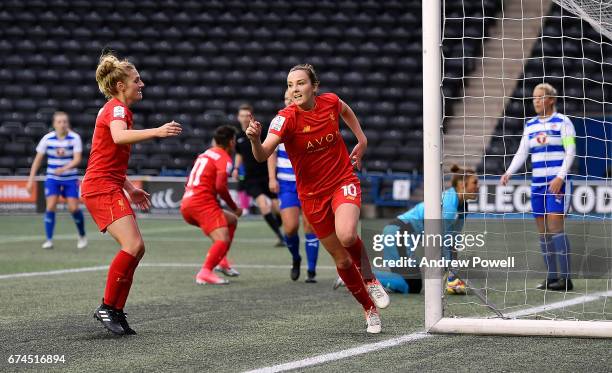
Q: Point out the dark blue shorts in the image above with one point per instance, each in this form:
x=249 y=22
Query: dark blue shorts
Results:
x=64 y=188
x=544 y=202
x=288 y=195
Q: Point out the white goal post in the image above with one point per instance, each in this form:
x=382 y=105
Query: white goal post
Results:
x=435 y=320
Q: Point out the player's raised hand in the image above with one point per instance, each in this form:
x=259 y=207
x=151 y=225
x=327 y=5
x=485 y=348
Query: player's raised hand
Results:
x=357 y=154
x=141 y=198
x=169 y=129
x=253 y=131
x=504 y=179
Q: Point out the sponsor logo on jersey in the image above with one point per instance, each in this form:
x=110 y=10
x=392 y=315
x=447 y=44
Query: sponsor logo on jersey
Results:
x=321 y=143
x=60 y=152
x=277 y=123
x=119 y=112
x=554 y=126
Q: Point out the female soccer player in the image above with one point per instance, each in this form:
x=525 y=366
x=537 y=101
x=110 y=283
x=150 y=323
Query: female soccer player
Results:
x=63 y=148
x=464 y=187
x=282 y=182
x=329 y=191
x=199 y=207
x=105 y=183
x=550 y=138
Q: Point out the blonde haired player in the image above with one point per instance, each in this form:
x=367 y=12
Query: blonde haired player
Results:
x=105 y=183
x=550 y=138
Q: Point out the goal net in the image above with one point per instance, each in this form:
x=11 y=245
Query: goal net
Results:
x=502 y=53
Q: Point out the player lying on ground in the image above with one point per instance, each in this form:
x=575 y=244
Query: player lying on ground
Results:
x=550 y=138
x=329 y=190
x=105 y=183
x=282 y=181
x=63 y=148
x=199 y=207
x=454 y=207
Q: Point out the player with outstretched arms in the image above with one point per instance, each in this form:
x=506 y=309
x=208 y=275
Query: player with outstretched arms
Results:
x=199 y=207
x=105 y=183
x=329 y=190
x=63 y=148
x=550 y=138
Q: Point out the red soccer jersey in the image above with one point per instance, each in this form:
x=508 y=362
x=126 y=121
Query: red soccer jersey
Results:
x=108 y=162
x=208 y=178
x=314 y=145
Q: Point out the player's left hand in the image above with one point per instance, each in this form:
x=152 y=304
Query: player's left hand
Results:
x=555 y=185
x=357 y=153
x=141 y=199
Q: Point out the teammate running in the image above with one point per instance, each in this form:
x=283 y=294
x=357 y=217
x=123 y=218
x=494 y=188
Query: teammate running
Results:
x=550 y=138
x=105 y=184
x=329 y=191
x=199 y=207
x=63 y=148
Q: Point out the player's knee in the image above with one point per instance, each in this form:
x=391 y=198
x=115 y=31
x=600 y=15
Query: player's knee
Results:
x=347 y=237
x=136 y=247
x=290 y=228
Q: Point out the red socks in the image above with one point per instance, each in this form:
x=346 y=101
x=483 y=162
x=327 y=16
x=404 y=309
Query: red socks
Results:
x=354 y=283
x=216 y=252
x=361 y=260
x=119 y=280
x=224 y=262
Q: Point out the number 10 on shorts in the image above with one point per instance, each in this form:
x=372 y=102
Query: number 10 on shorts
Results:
x=349 y=190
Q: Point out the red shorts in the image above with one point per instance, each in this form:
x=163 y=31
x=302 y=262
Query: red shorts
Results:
x=105 y=208
x=207 y=217
x=319 y=211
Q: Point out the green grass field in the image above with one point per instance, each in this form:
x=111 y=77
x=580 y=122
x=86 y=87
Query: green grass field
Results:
x=260 y=320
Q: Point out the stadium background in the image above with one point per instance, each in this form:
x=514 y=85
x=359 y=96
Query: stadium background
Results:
x=200 y=60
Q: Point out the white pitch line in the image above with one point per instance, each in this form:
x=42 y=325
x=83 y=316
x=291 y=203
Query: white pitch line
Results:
x=363 y=349
x=370 y=347
x=149 y=265
x=560 y=304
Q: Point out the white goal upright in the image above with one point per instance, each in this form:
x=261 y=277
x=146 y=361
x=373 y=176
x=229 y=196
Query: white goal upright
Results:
x=478 y=125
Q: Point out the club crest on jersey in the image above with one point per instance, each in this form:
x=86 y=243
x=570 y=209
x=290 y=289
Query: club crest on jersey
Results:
x=332 y=117
x=542 y=138
x=119 y=112
x=306 y=129
x=277 y=123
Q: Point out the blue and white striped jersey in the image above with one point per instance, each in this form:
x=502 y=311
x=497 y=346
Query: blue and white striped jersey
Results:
x=284 y=170
x=59 y=153
x=552 y=145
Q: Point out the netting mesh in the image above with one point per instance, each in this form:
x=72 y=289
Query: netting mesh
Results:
x=528 y=43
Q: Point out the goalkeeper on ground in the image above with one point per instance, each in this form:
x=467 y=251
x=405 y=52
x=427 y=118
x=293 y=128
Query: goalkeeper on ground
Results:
x=454 y=207
x=550 y=138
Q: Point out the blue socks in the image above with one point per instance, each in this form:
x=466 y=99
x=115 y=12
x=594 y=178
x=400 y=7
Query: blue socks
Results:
x=561 y=245
x=293 y=244
x=312 y=250
x=79 y=221
x=49 y=224
x=550 y=257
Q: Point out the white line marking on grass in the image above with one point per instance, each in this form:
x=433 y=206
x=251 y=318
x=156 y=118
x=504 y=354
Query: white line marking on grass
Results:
x=363 y=349
x=366 y=348
x=560 y=304
x=150 y=265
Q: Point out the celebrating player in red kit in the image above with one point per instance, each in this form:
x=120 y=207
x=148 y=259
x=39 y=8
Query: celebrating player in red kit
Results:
x=329 y=191
x=105 y=184
x=208 y=178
